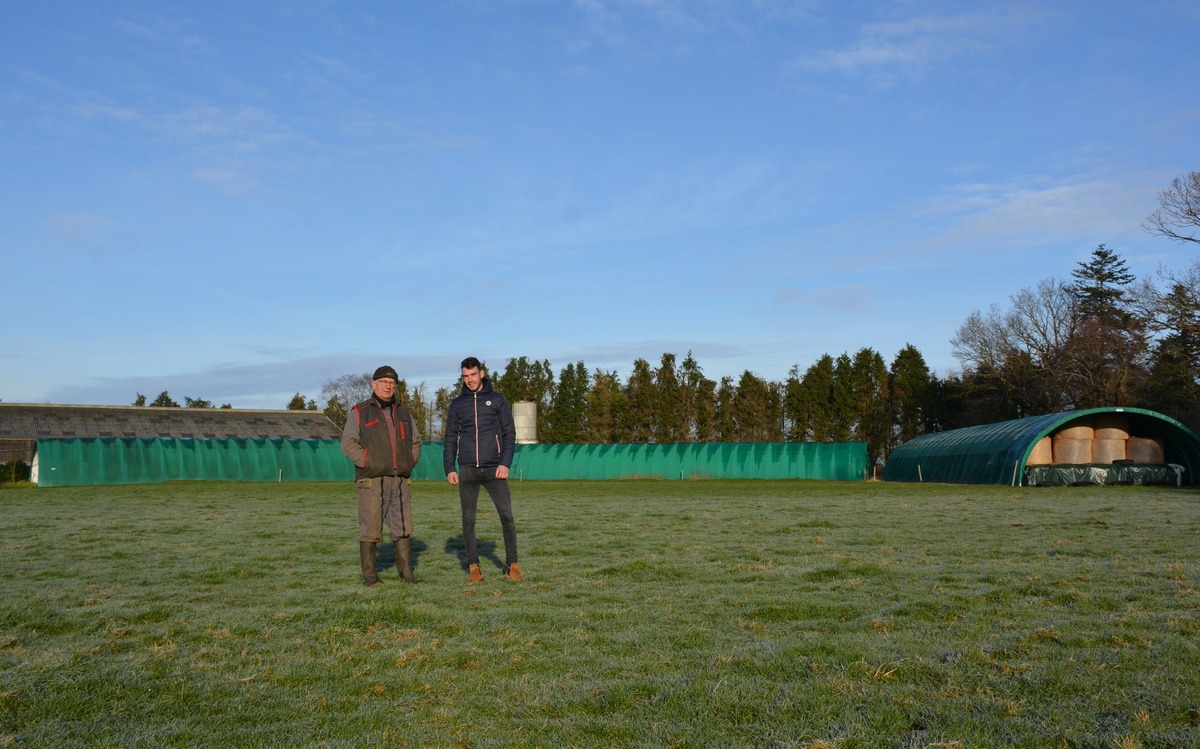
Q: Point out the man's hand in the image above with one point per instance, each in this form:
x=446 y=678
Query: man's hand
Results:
x=452 y=477
x=501 y=472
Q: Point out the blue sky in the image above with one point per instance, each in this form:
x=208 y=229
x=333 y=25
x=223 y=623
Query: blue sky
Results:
x=238 y=201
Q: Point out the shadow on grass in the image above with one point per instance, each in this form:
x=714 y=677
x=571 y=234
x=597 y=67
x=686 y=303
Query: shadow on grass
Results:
x=385 y=557
x=487 y=550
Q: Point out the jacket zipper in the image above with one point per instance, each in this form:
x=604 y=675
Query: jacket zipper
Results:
x=475 y=403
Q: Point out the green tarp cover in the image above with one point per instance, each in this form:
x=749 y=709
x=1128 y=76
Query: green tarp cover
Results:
x=135 y=460
x=150 y=460
x=1075 y=475
x=844 y=461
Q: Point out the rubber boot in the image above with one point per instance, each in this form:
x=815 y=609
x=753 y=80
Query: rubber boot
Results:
x=366 y=557
x=404 y=560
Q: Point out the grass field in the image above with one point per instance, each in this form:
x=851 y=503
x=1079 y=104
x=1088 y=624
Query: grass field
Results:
x=654 y=614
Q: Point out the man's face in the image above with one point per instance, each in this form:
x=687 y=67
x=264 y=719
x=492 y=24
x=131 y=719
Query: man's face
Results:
x=384 y=388
x=473 y=378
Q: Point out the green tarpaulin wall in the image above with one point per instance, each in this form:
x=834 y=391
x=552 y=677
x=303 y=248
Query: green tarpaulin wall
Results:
x=150 y=460
x=136 y=460
x=845 y=461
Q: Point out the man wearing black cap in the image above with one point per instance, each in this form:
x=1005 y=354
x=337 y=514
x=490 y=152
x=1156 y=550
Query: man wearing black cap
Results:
x=382 y=441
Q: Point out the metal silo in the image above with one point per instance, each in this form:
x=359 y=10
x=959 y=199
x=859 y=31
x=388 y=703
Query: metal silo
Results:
x=525 y=419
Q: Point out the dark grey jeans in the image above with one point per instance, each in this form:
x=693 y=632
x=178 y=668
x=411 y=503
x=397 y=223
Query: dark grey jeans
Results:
x=470 y=479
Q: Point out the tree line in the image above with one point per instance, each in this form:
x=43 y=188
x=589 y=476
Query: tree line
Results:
x=164 y=400
x=1102 y=338
x=855 y=397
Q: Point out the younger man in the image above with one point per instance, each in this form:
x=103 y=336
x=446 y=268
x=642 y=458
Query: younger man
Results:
x=481 y=437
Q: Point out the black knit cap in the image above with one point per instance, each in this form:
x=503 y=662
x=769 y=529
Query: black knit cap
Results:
x=385 y=371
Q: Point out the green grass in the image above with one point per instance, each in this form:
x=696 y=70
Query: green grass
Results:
x=654 y=614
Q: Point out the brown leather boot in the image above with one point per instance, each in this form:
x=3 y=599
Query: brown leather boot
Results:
x=366 y=559
x=473 y=574
x=403 y=548
x=513 y=572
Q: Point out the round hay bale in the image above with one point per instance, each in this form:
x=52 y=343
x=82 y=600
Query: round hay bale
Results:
x=1107 y=451
x=1112 y=427
x=1041 y=454
x=1145 y=450
x=1077 y=430
x=1071 y=450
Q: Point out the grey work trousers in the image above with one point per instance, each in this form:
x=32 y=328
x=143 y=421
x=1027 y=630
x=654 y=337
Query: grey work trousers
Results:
x=382 y=501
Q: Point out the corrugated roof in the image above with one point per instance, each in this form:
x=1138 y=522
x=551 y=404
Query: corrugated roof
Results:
x=997 y=453
x=34 y=421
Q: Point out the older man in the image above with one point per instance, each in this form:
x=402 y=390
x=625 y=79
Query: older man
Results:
x=382 y=441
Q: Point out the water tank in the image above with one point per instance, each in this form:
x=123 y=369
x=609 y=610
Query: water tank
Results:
x=525 y=419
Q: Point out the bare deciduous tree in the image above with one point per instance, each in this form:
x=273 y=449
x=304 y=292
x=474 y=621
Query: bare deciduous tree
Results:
x=342 y=393
x=1023 y=351
x=1178 y=214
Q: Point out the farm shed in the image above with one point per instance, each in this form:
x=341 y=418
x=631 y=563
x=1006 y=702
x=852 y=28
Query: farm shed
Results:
x=76 y=445
x=1096 y=446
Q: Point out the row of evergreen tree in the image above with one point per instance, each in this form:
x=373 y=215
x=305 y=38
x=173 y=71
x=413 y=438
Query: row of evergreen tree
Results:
x=850 y=398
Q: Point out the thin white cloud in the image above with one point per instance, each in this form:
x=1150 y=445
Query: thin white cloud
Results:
x=553 y=222
x=87 y=232
x=79 y=228
x=854 y=298
x=232 y=181
x=230 y=147
x=673 y=14
x=337 y=68
x=601 y=23
x=648 y=25
x=271 y=384
x=240 y=128
x=919 y=41
x=258 y=385
x=162 y=32
x=695 y=197
x=66 y=106
x=1003 y=213
x=619 y=357
x=787 y=10
x=611 y=20
x=382 y=133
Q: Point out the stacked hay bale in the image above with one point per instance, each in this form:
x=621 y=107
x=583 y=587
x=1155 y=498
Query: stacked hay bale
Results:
x=1102 y=439
x=1042 y=453
x=1073 y=444
x=1111 y=435
x=1145 y=450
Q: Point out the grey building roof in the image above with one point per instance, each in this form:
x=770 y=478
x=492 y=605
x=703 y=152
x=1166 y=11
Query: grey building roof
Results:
x=20 y=421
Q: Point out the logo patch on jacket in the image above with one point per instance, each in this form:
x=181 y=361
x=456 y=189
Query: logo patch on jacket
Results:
x=487 y=403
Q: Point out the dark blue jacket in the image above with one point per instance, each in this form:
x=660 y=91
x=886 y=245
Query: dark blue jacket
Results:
x=479 y=430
